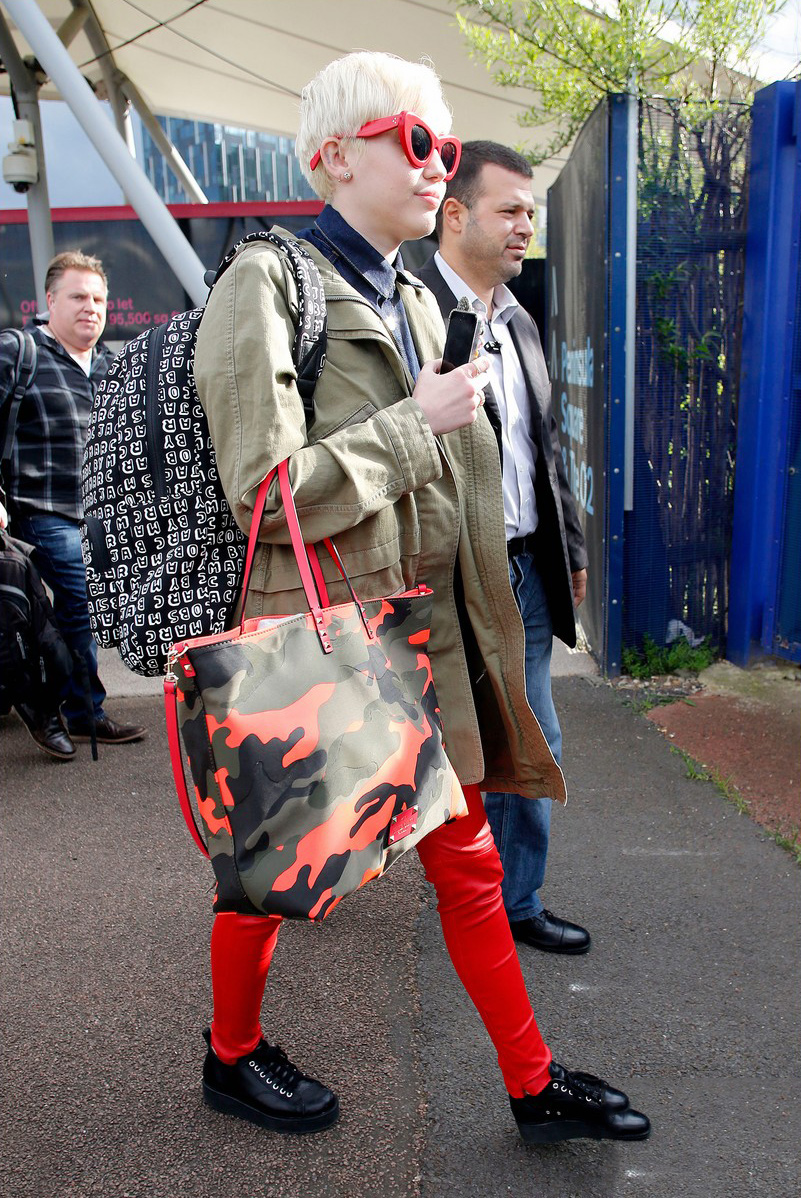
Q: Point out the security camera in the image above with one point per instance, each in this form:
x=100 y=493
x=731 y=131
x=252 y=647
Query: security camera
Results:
x=20 y=166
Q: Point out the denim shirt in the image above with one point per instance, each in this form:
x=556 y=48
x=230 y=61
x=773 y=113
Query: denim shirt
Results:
x=361 y=265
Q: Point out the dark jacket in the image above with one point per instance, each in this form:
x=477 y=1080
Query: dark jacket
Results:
x=560 y=540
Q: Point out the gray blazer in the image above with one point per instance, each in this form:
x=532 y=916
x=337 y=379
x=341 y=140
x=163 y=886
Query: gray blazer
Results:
x=560 y=540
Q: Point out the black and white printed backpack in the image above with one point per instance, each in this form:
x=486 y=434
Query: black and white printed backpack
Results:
x=164 y=556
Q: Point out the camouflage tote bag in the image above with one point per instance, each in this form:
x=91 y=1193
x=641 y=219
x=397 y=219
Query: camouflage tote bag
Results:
x=314 y=741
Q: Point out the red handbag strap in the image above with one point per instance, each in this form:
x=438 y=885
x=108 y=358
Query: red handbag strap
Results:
x=177 y=762
x=307 y=577
x=311 y=574
x=317 y=571
x=313 y=599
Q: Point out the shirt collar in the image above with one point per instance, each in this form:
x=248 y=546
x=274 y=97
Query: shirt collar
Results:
x=504 y=304
x=84 y=363
x=359 y=254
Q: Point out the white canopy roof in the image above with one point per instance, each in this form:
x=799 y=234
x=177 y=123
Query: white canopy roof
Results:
x=243 y=62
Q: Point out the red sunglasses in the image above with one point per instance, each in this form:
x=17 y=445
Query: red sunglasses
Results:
x=418 y=141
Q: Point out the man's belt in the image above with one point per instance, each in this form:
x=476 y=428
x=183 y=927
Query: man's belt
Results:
x=517 y=545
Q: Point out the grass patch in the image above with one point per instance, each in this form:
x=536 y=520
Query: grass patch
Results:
x=701 y=773
x=642 y=703
x=668 y=659
x=790 y=843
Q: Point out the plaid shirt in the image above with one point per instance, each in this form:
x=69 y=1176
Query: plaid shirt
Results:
x=44 y=475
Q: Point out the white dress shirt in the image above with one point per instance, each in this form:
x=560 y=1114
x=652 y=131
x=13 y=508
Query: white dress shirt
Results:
x=514 y=406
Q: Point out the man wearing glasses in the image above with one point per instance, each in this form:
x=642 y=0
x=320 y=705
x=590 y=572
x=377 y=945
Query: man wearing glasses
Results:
x=484 y=227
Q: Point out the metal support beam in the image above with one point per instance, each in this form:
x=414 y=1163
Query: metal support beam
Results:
x=72 y=25
x=173 y=159
x=86 y=108
x=26 y=96
x=111 y=75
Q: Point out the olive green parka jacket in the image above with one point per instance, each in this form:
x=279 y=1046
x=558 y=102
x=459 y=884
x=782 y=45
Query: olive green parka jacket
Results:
x=403 y=506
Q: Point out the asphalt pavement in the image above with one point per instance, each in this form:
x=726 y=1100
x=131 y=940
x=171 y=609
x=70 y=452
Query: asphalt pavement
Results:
x=687 y=999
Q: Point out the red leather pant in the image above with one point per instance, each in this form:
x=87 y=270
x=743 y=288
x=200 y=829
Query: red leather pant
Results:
x=462 y=863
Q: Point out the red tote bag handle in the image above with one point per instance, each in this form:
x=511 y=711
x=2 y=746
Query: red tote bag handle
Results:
x=311 y=575
x=308 y=575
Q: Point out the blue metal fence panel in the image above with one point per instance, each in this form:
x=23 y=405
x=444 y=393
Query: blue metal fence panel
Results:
x=690 y=267
x=781 y=629
x=765 y=587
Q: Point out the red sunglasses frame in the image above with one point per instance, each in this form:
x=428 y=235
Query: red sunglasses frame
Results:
x=405 y=122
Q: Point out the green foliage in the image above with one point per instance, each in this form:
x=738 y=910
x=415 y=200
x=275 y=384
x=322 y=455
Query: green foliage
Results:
x=681 y=355
x=655 y=659
x=571 y=53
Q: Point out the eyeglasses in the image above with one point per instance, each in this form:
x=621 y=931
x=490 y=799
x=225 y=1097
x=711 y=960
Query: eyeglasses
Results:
x=418 y=141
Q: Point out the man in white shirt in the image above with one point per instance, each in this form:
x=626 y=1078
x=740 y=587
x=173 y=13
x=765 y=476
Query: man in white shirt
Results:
x=484 y=227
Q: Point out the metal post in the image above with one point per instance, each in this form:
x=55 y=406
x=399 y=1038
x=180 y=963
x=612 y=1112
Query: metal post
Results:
x=75 y=90
x=633 y=106
x=171 y=156
x=616 y=356
x=40 y=227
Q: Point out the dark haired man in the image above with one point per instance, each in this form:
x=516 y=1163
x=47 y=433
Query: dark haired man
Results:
x=43 y=484
x=484 y=227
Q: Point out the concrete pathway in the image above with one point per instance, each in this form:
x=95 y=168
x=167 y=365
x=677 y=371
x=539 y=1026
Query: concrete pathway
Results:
x=688 y=998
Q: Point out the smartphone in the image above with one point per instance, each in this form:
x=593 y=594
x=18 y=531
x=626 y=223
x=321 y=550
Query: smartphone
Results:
x=461 y=340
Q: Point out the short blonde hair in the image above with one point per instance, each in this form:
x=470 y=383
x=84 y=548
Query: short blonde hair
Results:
x=72 y=260
x=361 y=87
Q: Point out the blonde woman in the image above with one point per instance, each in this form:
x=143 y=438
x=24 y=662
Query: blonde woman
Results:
x=401 y=467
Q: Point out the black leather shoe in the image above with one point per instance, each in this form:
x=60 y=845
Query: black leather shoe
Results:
x=264 y=1087
x=575 y=1106
x=48 y=731
x=551 y=934
x=612 y=1099
x=107 y=732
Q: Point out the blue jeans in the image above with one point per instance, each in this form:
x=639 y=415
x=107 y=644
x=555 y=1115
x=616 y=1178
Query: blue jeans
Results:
x=57 y=556
x=521 y=826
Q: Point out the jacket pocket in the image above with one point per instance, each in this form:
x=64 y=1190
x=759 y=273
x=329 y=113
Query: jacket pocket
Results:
x=358 y=417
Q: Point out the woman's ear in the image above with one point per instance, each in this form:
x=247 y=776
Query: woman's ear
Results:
x=334 y=158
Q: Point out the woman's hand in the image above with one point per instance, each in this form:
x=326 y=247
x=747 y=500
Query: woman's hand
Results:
x=450 y=401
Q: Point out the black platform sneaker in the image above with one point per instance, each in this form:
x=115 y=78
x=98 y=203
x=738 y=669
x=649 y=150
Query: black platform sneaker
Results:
x=266 y=1088
x=577 y=1106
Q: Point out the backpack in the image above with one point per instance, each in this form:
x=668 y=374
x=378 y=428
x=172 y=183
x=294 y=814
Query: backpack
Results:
x=25 y=370
x=34 y=659
x=164 y=556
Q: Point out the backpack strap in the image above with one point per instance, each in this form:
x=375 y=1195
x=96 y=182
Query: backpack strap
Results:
x=311 y=338
x=25 y=369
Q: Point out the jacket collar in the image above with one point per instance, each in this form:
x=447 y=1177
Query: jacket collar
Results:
x=355 y=258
